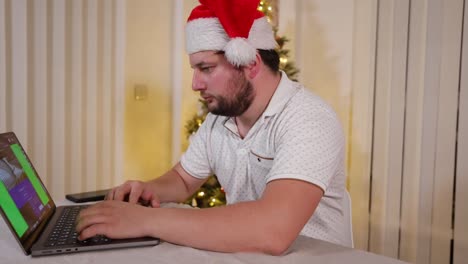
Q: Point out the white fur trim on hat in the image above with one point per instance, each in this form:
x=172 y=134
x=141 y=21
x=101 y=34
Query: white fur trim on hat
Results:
x=261 y=35
x=208 y=34
x=205 y=34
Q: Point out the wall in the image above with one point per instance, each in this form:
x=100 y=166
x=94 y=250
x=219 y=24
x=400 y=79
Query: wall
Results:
x=155 y=133
x=147 y=141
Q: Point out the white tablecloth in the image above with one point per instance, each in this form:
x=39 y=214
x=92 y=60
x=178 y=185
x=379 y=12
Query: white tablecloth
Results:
x=304 y=250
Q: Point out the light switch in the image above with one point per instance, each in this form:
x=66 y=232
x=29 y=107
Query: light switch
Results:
x=141 y=92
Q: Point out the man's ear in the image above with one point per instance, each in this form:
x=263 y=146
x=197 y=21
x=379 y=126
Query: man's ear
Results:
x=253 y=68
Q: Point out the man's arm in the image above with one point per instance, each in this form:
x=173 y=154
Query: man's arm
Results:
x=173 y=186
x=268 y=225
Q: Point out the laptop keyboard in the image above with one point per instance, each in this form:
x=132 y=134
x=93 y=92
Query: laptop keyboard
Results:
x=64 y=233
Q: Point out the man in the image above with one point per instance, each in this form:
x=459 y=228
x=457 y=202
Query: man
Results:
x=277 y=150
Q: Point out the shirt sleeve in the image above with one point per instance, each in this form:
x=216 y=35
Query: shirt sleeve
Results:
x=196 y=160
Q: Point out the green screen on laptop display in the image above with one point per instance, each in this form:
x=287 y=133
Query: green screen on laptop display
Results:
x=23 y=198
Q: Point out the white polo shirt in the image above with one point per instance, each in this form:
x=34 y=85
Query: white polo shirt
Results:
x=297 y=137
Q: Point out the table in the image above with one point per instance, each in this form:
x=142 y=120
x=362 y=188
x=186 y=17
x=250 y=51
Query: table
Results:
x=303 y=250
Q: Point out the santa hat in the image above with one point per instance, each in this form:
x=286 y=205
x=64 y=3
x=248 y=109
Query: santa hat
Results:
x=233 y=26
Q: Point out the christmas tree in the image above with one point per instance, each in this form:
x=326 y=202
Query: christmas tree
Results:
x=211 y=193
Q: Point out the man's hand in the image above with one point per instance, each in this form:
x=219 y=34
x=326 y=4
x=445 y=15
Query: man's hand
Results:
x=134 y=192
x=114 y=219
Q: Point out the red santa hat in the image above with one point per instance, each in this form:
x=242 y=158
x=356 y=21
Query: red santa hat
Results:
x=236 y=27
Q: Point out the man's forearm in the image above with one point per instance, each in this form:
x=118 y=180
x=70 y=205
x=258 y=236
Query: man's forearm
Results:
x=269 y=224
x=240 y=227
x=243 y=227
x=173 y=187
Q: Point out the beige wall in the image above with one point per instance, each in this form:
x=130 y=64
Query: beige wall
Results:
x=150 y=58
x=148 y=62
x=323 y=48
x=189 y=98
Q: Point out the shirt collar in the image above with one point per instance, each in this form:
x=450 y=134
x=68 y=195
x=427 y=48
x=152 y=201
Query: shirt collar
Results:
x=285 y=90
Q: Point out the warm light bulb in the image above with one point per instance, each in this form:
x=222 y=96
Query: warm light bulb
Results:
x=201 y=194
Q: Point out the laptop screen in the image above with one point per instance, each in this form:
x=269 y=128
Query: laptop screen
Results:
x=24 y=201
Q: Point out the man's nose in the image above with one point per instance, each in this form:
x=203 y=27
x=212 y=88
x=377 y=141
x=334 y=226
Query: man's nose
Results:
x=197 y=83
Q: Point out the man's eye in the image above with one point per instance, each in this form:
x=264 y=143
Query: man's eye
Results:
x=206 y=69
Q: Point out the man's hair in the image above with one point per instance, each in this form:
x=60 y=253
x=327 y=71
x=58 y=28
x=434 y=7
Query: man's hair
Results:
x=269 y=57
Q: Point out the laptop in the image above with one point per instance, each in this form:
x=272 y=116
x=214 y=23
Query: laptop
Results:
x=31 y=214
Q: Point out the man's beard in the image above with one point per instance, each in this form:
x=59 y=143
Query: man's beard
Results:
x=242 y=96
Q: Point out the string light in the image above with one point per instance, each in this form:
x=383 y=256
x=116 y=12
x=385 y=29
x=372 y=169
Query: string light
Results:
x=283 y=60
x=266 y=9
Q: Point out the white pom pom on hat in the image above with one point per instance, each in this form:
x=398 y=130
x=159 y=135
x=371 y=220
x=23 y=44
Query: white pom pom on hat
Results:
x=233 y=26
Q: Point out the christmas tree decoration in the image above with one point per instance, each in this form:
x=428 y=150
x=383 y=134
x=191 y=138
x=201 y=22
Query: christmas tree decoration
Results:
x=211 y=194
x=197 y=119
x=286 y=65
x=267 y=9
